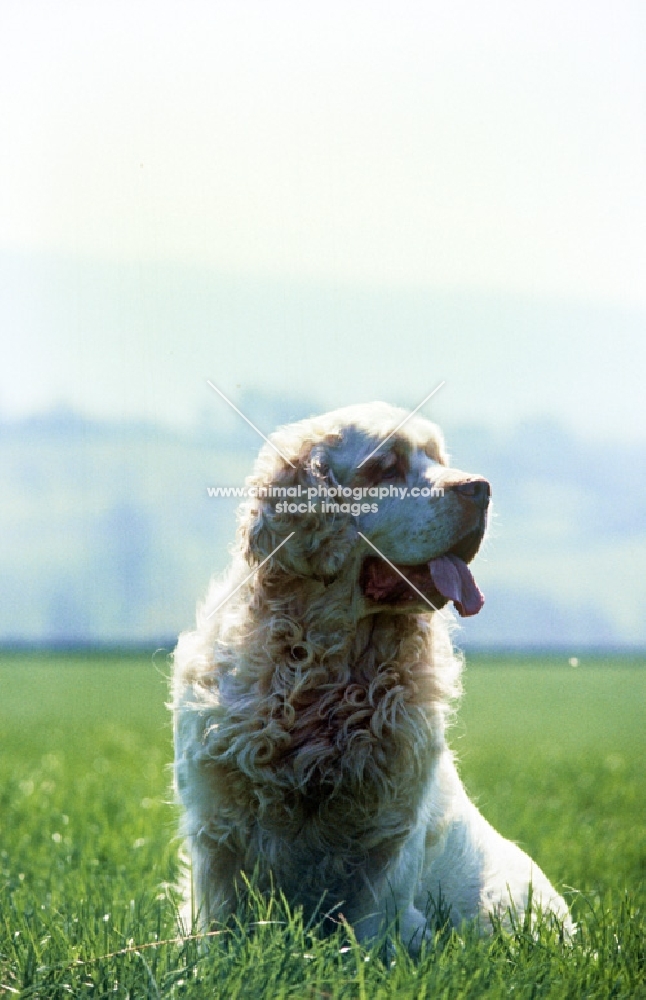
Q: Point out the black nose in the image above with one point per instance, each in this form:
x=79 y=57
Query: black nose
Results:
x=477 y=490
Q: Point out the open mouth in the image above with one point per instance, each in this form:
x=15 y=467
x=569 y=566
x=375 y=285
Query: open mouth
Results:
x=445 y=578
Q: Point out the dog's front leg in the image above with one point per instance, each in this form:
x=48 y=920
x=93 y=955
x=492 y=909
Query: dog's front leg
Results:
x=393 y=904
x=411 y=922
x=215 y=872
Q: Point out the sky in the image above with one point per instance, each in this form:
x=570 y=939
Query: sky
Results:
x=348 y=201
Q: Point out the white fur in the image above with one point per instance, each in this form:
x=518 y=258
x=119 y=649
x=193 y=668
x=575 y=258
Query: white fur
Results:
x=310 y=723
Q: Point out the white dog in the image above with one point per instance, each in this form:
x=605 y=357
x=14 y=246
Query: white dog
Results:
x=311 y=701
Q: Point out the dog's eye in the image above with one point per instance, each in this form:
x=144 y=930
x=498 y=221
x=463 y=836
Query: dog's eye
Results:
x=377 y=470
x=395 y=469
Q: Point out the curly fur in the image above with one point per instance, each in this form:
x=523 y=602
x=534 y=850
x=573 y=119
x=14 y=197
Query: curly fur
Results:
x=310 y=723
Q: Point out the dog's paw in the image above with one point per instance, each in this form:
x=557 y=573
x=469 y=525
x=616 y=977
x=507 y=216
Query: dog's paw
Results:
x=414 y=929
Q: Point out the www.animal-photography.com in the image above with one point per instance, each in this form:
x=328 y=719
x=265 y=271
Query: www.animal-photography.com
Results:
x=323 y=617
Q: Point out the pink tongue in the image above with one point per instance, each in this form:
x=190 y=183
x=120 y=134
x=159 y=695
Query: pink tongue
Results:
x=454 y=580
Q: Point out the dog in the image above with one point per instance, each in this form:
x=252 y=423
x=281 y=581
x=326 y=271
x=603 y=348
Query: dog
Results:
x=311 y=702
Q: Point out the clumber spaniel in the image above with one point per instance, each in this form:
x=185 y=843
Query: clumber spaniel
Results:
x=311 y=701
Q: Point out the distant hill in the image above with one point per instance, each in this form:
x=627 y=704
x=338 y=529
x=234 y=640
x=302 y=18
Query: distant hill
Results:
x=109 y=535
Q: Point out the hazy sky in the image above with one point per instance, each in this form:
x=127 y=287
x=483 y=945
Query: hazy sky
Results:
x=477 y=148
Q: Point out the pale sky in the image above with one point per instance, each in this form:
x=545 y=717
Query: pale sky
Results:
x=476 y=147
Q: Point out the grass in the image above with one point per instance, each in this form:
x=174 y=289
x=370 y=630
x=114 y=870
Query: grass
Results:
x=554 y=756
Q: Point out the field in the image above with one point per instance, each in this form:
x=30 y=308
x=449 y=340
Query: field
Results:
x=555 y=756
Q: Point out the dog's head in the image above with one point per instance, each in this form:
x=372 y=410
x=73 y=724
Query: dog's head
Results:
x=366 y=495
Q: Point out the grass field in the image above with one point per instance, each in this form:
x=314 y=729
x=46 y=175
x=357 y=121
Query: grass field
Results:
x=555 y=757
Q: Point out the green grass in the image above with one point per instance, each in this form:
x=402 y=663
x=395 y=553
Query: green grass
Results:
x=554 y=755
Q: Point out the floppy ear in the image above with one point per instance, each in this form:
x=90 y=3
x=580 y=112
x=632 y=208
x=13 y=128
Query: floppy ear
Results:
x=321 y=541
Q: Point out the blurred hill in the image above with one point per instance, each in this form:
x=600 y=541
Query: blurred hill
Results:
x=108 y=534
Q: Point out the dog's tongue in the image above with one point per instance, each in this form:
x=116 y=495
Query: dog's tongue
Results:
x=453 y=578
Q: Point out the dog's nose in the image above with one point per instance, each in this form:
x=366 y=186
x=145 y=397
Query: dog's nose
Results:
x=477 y=490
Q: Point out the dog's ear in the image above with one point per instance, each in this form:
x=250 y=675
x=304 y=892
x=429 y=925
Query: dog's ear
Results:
x=293 y=502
